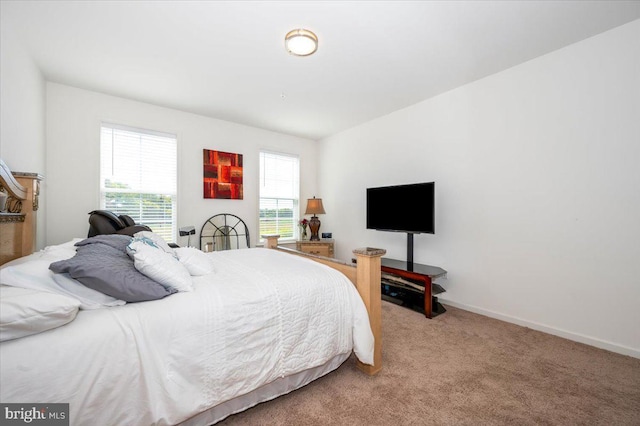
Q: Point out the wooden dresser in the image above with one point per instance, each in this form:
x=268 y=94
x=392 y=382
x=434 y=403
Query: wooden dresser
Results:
x=320 y=248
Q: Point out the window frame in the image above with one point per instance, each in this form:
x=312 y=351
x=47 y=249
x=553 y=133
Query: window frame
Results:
x=295 y=199
x=140 y=191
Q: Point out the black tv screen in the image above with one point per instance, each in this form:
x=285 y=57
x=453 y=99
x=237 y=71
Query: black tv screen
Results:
x=402 y=208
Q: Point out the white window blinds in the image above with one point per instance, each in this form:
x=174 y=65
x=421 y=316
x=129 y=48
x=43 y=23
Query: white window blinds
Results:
x=279 y=194
x=138 y=176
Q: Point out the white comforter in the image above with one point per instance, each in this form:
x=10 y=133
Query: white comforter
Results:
x=262 y=315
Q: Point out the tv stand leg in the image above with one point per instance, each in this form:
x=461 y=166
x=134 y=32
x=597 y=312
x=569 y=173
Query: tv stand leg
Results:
x=428 y=306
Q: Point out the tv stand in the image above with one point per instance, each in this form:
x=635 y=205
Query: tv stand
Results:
x=417 y=278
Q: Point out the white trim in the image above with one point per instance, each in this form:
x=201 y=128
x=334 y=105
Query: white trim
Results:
x=138 y=130
x=576 y=337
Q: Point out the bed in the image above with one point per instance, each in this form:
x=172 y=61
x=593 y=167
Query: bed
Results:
x=255 y=324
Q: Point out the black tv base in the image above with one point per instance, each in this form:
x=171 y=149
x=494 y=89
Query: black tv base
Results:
x=410 y=300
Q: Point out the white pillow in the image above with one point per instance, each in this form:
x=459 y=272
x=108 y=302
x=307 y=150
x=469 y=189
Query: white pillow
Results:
x=160 y=266
x=24 y=312
x=52 y=253
x=36 y=275
x=196 y=261
x=69 y=245
x=157 y=239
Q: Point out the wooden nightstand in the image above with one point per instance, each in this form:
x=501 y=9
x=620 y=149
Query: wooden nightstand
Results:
x=321 y=247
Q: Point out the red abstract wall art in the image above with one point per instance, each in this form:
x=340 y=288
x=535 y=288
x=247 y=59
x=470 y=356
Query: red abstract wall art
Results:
x=222 y=175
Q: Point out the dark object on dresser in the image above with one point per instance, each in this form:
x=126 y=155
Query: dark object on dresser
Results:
x=106 y=222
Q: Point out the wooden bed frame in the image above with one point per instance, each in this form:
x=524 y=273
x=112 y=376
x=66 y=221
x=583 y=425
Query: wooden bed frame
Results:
x=365 y=275
x=18 y=221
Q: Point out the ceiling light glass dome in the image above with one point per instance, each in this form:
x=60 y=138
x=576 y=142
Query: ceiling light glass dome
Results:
x=301 y=42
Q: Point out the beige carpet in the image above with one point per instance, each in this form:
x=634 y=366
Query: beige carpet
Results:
x=462 y=368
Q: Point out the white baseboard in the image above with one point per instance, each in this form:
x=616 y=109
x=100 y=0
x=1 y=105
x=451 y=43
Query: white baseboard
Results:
x=602 y=344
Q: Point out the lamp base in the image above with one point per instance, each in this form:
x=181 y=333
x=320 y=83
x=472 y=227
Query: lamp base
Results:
x=314 y=225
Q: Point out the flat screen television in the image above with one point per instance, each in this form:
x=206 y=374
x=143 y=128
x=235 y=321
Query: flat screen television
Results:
x=402 y=208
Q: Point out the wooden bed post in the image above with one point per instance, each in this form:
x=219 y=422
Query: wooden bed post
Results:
x=271 y=241
x=368 y=285
x=365 y=275
x=18 y=222
x=31 y=182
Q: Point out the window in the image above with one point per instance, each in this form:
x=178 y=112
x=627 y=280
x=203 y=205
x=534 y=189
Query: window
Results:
x=138 y=176
x=279 y=194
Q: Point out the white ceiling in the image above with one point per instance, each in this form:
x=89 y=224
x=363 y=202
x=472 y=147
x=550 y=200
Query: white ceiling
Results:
x=227 y=59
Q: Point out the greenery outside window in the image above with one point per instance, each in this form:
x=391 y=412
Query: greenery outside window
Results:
x=138 y=176
x=279 y=195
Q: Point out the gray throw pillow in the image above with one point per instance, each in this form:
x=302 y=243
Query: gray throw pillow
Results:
x=117 y=241
x=102 y=264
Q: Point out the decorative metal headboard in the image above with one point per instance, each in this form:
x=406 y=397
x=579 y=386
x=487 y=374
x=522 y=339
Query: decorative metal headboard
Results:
x=224 y=232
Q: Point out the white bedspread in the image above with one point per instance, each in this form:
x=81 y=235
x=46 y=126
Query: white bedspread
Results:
x=262 y=315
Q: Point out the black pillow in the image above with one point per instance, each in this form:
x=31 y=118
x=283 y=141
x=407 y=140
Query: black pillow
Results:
x=127 y=220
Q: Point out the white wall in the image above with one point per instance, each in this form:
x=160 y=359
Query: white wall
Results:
x=22 y=114
x=537 y=173
x=73 y=155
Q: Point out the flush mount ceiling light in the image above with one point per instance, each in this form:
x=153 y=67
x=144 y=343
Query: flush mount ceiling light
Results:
x=301 y=42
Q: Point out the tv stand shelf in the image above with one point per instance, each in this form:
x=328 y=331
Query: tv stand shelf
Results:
x=417 y=278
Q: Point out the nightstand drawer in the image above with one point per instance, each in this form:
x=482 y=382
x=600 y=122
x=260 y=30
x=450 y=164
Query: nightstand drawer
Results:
x=320 y=248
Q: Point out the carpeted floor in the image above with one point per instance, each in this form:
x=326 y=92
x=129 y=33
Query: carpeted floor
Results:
x=461 y=368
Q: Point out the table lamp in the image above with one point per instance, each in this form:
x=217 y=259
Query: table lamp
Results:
x=314 y=207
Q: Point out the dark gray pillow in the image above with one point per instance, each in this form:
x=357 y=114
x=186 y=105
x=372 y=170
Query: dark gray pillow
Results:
x=102 y=264
x=117 y=241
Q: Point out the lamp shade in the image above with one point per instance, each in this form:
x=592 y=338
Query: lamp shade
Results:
x=314 y=206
